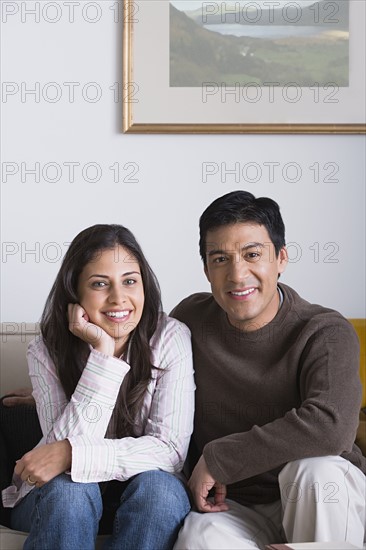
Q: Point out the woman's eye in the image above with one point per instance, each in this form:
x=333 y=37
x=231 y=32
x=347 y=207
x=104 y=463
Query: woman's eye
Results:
x=129 y=281
x=99 y=284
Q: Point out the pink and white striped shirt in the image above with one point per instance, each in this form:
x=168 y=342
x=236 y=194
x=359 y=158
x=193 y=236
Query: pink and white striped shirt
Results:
x=164 y=426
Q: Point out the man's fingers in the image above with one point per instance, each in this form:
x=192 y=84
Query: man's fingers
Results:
x=203 y=505
x=200 y=484
x=220 y=493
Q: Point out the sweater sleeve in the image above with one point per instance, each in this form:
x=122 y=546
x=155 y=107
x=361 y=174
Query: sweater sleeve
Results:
x=324 y=424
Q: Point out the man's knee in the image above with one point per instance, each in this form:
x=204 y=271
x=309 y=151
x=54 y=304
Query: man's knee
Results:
x=316 y=468
x=323 y=498
x=313 y=479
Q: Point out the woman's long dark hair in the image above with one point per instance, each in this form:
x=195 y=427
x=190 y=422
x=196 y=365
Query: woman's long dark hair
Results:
x=69 y=353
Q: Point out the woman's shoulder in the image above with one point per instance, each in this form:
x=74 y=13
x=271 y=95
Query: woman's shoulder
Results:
x=168 y=325
x=37 y=348
x=170 y=335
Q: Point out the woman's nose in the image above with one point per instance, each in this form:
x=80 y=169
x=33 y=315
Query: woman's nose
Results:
x=117 y=294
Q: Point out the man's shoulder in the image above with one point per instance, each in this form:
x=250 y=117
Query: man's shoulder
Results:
x=298 y=302
x=192 y=306
x=313 y=316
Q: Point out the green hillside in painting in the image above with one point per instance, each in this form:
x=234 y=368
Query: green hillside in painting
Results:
x=198 y=56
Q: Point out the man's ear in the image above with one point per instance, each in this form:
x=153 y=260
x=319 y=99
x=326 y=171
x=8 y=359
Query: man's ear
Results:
x=206 y=273
x=282 y=260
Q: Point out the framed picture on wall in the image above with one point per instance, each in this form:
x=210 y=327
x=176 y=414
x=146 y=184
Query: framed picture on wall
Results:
x=263 y=66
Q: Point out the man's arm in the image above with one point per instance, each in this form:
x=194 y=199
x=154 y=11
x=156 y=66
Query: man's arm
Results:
x=324 y=424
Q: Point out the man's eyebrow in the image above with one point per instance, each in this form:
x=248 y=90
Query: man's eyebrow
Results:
x=253 y=245
x=215 y=251
x=107 y=276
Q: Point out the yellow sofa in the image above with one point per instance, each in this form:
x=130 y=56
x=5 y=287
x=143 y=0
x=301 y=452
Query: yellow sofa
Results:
x=360 y=327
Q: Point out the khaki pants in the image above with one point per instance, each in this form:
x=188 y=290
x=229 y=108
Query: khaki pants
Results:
x=322 y=500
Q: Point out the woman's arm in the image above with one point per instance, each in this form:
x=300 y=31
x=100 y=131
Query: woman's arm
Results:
x=91 y=405
x=167 y=419
x=88 y=411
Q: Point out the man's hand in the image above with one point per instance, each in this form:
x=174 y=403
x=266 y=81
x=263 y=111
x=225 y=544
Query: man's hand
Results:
x=200 y=483
x=44 y=463
x=22 y=396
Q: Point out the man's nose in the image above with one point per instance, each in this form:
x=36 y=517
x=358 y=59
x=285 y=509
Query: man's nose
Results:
x=238 y=270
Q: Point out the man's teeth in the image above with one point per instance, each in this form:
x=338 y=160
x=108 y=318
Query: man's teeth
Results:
x=244 y=292
x=118 y=314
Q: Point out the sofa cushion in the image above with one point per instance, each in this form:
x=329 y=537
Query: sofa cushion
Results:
x=20 y=431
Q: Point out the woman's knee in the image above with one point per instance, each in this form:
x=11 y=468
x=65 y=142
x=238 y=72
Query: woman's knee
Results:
x=65 y=496
x=63 y=485
x=159 y=489
x=60 y=498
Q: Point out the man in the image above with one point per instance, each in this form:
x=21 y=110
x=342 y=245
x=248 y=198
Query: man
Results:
x=278 y=395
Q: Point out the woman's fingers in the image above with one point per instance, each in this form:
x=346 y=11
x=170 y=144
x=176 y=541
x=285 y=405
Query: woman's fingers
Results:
x=43 y=463
x=90 y=333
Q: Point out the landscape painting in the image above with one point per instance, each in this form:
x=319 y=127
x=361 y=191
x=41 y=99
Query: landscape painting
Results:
x=304 y=43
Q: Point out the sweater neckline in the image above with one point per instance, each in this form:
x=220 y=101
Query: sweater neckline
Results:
x=283 y=309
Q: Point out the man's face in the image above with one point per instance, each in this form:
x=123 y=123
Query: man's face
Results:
x=243 y=269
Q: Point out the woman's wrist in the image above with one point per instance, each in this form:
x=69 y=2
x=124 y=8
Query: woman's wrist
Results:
x=66 y=450
x=107 y=348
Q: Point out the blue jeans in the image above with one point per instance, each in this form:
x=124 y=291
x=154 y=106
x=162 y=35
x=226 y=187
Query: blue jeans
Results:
x=65 y=515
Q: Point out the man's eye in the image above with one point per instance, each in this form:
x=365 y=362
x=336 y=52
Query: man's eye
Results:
x=253 y=256
x=219 y=259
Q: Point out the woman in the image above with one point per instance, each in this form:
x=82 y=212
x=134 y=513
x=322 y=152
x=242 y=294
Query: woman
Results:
x=113 y=383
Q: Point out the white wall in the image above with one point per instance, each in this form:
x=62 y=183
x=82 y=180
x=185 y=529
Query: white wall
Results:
x=163 y=205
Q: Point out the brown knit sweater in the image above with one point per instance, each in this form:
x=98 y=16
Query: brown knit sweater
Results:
x=286 y=391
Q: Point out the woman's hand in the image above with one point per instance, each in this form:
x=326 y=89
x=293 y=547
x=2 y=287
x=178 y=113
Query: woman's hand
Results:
x=80 y=326
x=43 y=463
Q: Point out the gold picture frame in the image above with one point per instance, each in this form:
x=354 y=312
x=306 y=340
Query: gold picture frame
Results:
x=151 y=106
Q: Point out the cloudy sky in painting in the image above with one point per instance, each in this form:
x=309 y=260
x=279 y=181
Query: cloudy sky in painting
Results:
x=186 y=5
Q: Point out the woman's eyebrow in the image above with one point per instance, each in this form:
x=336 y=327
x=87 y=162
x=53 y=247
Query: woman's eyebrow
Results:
x=107 y=276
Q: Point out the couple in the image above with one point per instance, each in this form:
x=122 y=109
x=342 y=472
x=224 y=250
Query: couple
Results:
x=272 y=455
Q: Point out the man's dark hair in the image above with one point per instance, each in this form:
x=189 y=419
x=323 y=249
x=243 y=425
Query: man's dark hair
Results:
x=243 y=207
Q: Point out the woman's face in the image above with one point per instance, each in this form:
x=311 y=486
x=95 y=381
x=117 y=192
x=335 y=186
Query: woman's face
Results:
x=111 y=291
